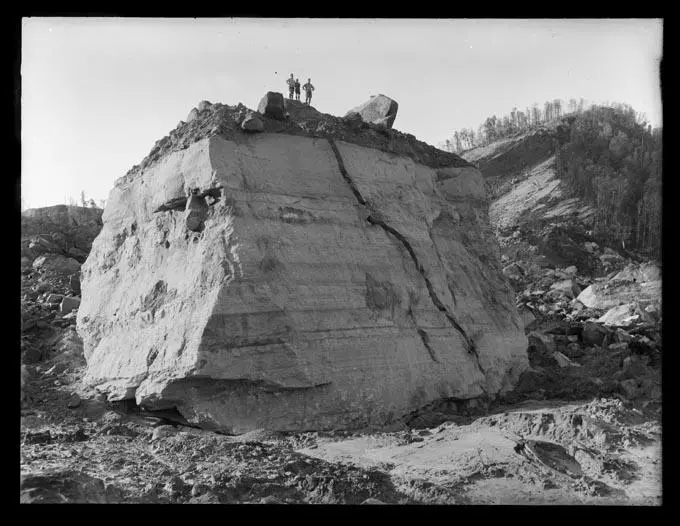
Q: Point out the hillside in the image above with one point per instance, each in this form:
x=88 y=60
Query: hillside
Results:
x=309 y=309
x=599 y=170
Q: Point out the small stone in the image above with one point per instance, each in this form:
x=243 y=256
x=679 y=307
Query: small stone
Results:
x=198 y=489
x=175 y=486
x=74 y=402
x=563 y=361
x=631 y=388
x=371 y=500
x=252 y=123
x=54 y=298
x=270 y=499
x=69 y=304
x=622 y=336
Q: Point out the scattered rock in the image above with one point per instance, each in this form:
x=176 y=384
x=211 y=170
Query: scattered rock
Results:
x=372 y=500
x=77 y=254
x=563 y=361
x=270 y=499
x=567 y=286
x=31 y=355
x=195 y=213
x=631 y=388
x=57 y=264
x=69 y=304
x=205 y=498
x=622 y=315
x=594 y=334
x=272 y=106
x=175 y=487
x=252 y=123
x=193 y=114
x=74 y=401
x=513 y=272
x=74 y=284
x=57 y=487
x=54 y=298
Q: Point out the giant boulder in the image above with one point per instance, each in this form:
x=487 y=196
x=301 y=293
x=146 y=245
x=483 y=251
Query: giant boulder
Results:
x=379 y=110
x=331 y=285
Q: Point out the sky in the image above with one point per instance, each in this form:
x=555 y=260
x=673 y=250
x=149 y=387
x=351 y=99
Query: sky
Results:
x=98 y=93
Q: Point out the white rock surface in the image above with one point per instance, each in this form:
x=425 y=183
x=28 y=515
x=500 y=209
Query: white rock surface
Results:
x=294 y=306
x=620 y=289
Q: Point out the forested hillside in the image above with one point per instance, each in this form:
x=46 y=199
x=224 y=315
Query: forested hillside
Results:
x=607 y=155
x=613 y=161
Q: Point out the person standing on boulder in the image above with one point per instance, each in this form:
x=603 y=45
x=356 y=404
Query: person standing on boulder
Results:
x=308 y=91
x=291 y=86
x=297 y=89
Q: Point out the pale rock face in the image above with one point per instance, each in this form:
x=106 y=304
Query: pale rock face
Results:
x=328 y=286
x=635 y=284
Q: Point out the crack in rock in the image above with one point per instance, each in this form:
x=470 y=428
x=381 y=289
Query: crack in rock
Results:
x=468 y=342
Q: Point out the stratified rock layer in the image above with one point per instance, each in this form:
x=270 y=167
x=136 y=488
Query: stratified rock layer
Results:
x=321 y=284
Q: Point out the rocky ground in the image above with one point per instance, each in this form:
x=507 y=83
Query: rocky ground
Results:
x=583 y=427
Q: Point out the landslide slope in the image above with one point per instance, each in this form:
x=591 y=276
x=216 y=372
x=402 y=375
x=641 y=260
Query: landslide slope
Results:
x=531 y=212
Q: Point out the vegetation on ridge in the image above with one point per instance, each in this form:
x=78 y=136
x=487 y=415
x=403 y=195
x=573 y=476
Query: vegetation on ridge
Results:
x=608 y=155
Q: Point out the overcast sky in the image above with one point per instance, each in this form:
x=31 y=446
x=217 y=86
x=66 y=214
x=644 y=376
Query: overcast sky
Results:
x=98 y=93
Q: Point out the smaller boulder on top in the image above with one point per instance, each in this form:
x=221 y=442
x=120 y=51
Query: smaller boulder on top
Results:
x=204 y=105
x=272 y=106
x=380 y=110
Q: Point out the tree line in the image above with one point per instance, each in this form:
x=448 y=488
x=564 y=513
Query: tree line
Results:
x=517 y=121
x=607 y=154
x=85 y=202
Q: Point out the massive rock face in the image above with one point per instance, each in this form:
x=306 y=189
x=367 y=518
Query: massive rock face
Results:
x=298 y=281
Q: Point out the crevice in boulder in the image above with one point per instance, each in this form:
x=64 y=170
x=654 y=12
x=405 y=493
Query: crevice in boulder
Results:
x=468 y=342
x=177 y=204
x=424 y=338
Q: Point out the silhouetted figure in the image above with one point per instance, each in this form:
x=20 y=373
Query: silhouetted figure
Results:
x=308 y=91
x=297 y=89
x=291 y=86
